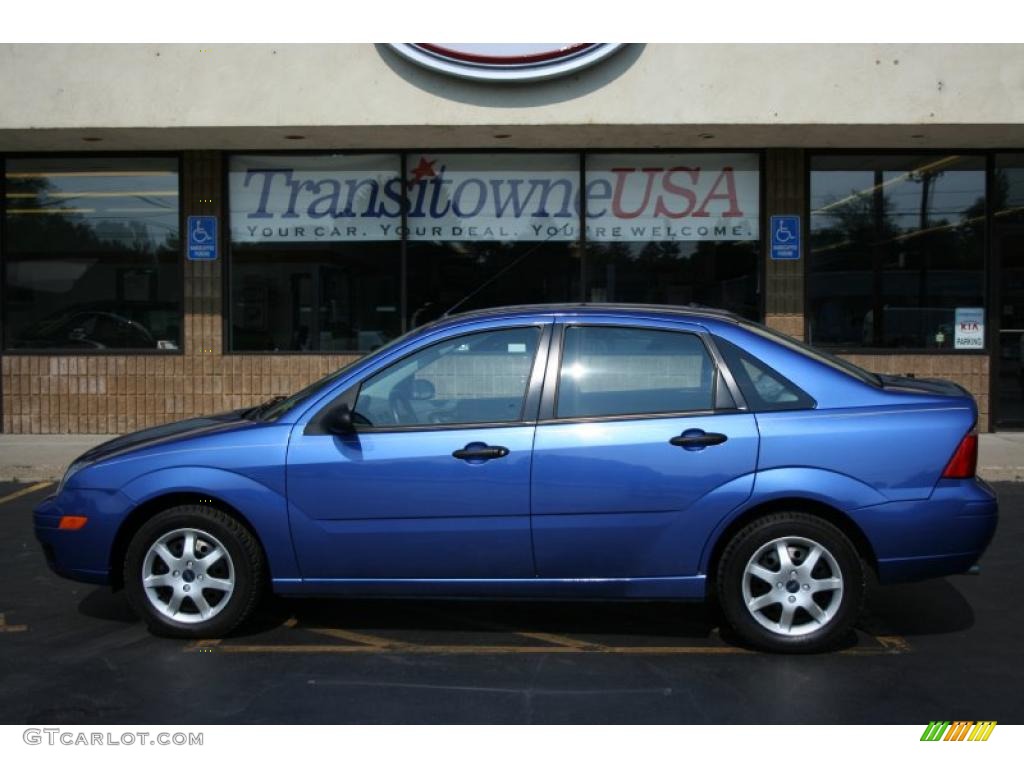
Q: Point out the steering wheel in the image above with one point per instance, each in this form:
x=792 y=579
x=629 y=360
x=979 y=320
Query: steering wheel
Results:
x=401 y=407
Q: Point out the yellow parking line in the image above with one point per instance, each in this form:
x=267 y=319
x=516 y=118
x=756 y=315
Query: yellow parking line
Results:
x=25 y=491
x=5 y=627
x=370 y=641
x=548 y=637
x=544 y=637
x=893 y=643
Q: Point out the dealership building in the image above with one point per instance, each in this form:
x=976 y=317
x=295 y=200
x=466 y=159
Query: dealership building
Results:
x=186 y=229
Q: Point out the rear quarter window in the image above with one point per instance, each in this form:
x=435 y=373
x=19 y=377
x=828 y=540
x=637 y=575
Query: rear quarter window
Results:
x=764 y=388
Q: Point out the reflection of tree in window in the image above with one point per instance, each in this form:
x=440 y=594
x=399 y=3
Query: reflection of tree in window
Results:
x=96 y=239
x=892 y=259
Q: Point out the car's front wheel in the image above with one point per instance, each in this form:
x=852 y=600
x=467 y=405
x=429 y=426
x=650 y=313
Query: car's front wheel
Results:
x=193 y=571
x=791 y=582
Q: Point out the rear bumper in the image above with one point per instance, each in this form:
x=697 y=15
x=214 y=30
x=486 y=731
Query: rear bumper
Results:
x=939 y=536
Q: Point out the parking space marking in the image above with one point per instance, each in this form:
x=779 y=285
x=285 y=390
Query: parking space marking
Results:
x=544 y=637
x=893 y=643
x=10 y=628
x=25 y=491
x=362 y=642
x=359 y=638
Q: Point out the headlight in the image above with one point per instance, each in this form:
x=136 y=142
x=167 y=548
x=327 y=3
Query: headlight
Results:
x=75 y=466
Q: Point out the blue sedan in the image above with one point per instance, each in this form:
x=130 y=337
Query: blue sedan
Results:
x=571 y=451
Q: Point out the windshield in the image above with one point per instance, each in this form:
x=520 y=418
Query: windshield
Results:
x=817 y=354
x=278 y=408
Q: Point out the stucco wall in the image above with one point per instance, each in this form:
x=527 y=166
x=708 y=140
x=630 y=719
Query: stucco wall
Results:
x=646 y=95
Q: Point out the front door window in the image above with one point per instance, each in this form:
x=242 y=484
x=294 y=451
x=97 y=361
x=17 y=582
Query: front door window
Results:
x=476 y=379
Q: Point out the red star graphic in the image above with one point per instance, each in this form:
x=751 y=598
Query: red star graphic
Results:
x=422 y=171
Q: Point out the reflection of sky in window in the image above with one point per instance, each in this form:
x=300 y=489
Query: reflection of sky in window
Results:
x=951 y=195
x=1011 y=170
x=99 y=193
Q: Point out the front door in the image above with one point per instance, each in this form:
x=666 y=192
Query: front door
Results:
x=638 y=454
x=435 y=483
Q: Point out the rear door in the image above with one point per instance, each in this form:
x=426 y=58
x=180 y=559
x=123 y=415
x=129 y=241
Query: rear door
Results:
x=640 y=449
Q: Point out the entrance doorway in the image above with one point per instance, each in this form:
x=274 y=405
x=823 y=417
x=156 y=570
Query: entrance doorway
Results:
x=1008 y=265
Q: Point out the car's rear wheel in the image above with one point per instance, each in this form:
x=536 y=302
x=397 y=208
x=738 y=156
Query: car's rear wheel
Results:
x=791 y=582
x=193 y=571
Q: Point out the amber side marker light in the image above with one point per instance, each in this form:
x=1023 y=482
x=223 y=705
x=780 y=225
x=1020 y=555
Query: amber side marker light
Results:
x=72 y=522
x=964 y=463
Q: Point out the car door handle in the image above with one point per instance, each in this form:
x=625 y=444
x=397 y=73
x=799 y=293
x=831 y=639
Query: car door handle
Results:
x=697 y=439
x=480 y=452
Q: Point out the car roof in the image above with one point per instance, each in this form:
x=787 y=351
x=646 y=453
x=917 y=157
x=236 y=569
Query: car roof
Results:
x=690 y=311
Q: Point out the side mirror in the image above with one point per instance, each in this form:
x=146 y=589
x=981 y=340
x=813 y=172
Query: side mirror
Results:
x=339 y=421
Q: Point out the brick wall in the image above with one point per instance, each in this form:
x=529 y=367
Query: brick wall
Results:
x=110 y=395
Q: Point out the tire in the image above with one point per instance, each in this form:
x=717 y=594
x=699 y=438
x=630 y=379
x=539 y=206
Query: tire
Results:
x=774 y=610
x=193 y=596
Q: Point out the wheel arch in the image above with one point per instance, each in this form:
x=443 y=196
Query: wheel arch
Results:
x=154 y=506
x=814 y=507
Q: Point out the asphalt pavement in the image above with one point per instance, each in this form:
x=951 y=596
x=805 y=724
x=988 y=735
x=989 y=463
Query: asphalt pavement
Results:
x=946 y=649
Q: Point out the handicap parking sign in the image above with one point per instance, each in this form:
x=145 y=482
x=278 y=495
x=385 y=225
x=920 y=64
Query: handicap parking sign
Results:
x=785 y=231
x=202 y=238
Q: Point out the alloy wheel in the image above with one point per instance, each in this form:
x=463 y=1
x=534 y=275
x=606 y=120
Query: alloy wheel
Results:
x=792 y=586
x=188 y=575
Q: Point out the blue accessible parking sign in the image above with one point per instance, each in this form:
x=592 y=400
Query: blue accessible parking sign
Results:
x=202 y=238
x=785 y=231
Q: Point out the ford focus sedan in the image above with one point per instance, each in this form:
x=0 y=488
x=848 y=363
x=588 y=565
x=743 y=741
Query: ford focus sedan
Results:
x=570 y=452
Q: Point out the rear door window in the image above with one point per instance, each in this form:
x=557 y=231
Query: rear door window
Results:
x=618 y=371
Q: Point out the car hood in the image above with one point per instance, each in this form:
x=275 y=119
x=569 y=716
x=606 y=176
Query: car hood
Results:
x=165 y=433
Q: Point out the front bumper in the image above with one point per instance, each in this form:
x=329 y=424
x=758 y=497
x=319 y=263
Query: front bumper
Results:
x=83 y=554
x=939 y=536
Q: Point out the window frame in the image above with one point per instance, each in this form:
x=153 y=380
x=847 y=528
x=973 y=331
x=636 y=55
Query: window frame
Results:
x=405 y=152
x=531 y=395
x=986 y=157
x=179 y=158
x=722 y=375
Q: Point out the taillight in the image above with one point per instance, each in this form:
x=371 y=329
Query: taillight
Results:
x=965 y=460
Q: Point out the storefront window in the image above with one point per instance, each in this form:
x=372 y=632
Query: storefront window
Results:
x=315 y=259
x=674 y=229
x=487 y=230
x=340 y=253
x=91 y=254
x=897 y=251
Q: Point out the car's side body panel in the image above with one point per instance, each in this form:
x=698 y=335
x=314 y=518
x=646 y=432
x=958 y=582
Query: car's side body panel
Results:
x=655 y=588
x=616 y=499
x=899 y=451
x=232 y=461
x=261 y=505
x=398 y=505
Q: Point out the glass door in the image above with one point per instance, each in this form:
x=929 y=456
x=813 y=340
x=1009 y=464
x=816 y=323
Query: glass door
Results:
x=1008 y=251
